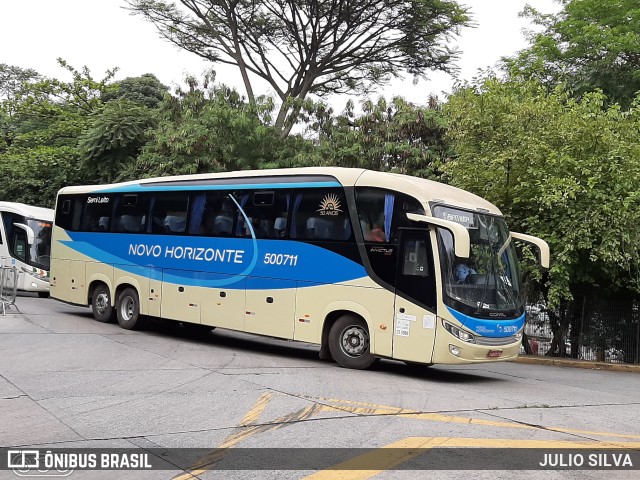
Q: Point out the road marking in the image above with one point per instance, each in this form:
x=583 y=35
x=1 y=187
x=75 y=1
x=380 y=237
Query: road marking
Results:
x=252 y=415
x=411 y=447
x=247 y=429
x=372 y=409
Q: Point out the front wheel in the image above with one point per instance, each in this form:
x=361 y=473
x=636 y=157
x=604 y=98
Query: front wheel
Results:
x=349 y=343
x=128 y=310
x=101 y=304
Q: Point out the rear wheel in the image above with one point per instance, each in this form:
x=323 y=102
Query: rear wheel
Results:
x=349 y=343
x=128 y=310
x=101 y=304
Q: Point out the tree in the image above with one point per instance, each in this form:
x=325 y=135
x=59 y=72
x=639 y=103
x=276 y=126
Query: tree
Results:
x=47 y=118
x=208 y=128
x=563 y=169
x=589 y=44
x=12 y=81
x=114 y=138
x=394 y=136
x=13 y=78
x=144 y=90
x=300 y=48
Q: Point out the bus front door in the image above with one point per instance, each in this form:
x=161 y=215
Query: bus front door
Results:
x=415 y=303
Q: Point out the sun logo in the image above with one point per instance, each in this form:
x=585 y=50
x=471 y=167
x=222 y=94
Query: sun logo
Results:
x=330 y=205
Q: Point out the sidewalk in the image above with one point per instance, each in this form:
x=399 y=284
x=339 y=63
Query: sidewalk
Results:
x=572 y=362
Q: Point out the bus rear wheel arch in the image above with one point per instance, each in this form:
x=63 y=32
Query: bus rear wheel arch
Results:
x=128 y=309
x=101 y=303
x=350 y=343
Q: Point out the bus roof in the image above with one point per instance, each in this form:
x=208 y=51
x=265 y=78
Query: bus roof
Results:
x=28 y=211
x=425 y=191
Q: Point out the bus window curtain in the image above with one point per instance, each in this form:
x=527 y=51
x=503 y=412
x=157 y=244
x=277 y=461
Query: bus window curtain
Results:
x=152 y=207
x=292 y=231
x=389 y=200
x=241 y=222
x=197 y=212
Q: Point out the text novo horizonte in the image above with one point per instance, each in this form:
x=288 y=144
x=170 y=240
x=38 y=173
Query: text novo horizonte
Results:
x=187 y=253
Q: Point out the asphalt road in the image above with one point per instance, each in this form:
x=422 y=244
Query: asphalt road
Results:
x=67 y=381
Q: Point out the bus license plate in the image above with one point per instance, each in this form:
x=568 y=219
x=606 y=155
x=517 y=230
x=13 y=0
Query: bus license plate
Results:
x=494 y=353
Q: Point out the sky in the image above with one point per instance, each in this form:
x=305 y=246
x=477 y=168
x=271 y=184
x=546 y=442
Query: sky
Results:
x=101 y=35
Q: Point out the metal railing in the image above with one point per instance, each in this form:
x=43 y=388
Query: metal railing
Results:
x=8 y=287
x=592 y=329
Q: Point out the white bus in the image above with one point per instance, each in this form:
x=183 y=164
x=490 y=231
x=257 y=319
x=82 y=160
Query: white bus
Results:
x=364 y=264
x=25 y=243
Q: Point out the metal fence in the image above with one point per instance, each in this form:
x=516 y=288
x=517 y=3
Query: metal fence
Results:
x=8 y=287
x=588 y=329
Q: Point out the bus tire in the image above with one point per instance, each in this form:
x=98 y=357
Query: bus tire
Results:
x=101 y=304
x=128 y=310
x=43 y=294
x=349 y=343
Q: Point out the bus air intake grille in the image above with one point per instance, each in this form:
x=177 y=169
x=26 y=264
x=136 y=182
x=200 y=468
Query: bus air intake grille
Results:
x=493 y=342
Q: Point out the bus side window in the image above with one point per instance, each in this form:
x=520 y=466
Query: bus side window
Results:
x=382 y=212
x=212 y=214
x=69 y=212
x=97 y=213
x=130 y=213
x=20 y=245
x=267 y=210
x=168 y=213
x=321 y=214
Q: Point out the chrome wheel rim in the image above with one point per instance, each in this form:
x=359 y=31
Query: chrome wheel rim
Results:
x=127 y=308
x=354 y=341
x=102 y=303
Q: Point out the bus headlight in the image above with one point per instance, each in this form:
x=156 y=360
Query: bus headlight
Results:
x=456 y=332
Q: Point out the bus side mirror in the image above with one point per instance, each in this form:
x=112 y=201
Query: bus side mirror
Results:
x=31 y=236
x=543 y=247
x=461 y=241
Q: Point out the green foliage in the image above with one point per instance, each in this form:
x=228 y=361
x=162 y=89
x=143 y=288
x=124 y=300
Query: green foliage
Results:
x=394 y=136
x=114 y=138
x=144 y=90
x=563 y=169
x=35 y=175
x=208 y=129
x=589 y=45
x=42 y=122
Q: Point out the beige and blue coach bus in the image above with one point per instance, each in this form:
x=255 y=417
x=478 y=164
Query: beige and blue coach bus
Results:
x=365 y=264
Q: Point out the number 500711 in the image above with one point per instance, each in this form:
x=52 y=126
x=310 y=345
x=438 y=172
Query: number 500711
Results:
x=280 y=259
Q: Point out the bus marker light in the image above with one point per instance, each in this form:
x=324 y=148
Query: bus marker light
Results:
x=383 y=326
x=494 y=353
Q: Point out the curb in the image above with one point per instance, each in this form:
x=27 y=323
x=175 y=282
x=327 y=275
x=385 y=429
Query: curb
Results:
x=573 y=363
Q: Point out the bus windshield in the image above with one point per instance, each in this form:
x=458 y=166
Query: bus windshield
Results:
x=487 y=284
x=40 y=252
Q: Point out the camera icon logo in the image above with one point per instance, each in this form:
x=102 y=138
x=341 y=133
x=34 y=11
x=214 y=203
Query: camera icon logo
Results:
x=27 y=463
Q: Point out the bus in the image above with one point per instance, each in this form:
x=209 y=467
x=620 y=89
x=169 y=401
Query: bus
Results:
x=25 y=243
x=365 y=264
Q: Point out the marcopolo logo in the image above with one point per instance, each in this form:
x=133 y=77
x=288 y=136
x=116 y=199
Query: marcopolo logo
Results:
x=330 y=205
